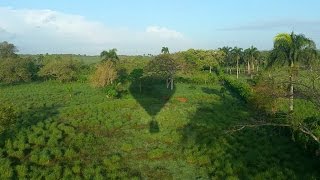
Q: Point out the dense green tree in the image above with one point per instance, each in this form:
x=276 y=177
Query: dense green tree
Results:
x=209 y=58
x=62 y=69
x=163 y=66
x=291 y=48
x=7 y=50
x=110 y=55
x=14 y=70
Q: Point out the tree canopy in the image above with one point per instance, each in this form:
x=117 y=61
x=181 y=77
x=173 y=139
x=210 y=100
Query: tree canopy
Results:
x=292 y=47
x=110 y=55
x=63 y=69
x=7 y=50
x=17 y=70
x=165 y=50
x=163 y=66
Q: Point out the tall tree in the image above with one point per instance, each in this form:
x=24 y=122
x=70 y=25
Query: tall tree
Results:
x=291 y=46
x=251 y=56
x=165 y=50
x=210 y=58
x=163 y=66
x=7 y=50
x=237 y=53
x=110 y=55
x=227 y=57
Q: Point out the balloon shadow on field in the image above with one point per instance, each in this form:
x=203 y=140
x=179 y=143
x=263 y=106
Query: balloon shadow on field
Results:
x=152 y=94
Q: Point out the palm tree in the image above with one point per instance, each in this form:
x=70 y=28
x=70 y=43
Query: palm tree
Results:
x=291 y=47
x=237 y=53
x=247 y=59
x=110 y=55
x=165 y=50
x=251 y=55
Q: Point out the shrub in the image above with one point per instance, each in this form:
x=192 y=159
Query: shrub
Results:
x=64 y=70
x=104 y=75
x=16 y=70
x=111 y=91
x=242 y=89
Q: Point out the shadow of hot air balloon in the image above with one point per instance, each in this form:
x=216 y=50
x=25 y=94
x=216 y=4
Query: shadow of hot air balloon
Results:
x=152 y=95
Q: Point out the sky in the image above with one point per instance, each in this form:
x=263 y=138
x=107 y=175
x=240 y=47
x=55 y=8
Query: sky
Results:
x=144 y=26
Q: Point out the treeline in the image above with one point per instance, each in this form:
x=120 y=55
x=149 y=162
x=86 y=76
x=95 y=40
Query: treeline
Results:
x=66 y=68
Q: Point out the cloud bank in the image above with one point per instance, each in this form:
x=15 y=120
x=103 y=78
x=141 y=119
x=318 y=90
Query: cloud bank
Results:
x=42 y=31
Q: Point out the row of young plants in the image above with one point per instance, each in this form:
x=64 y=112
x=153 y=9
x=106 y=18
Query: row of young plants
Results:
x=239 y=87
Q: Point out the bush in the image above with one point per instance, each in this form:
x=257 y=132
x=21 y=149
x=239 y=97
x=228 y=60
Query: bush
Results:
x=64 y=70
x=17 y=70
x=111 y=91
x=242 y=89
x=104 y=75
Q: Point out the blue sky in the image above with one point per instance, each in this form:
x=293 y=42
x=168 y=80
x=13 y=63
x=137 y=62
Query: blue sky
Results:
x=141 y=26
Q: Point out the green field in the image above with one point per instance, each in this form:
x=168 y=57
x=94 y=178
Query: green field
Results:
x=74 y=131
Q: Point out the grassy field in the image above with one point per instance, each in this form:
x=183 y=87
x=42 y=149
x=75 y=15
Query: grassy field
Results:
x=73 y=130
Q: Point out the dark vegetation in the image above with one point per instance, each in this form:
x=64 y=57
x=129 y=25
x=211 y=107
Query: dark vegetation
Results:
x=197 y=114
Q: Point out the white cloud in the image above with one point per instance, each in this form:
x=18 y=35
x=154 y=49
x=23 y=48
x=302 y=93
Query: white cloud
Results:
x=164 y=32
x=41 y=31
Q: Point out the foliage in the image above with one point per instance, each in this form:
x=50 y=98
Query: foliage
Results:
x=110 y=55
x=136 y=74
x=64 y=70
x=251 y=56
x=104 y=75
x=15 y=70
x=209 y=58
x=165 y=50
x=111 y=91
x=266 y=92
x=292 y=46
x=8 y=116
x=162 y=66
x=240 y=88
x=7 y=50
